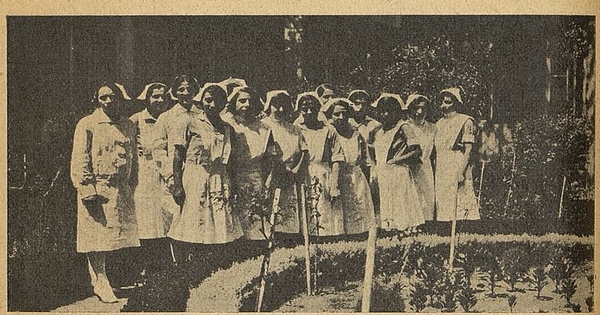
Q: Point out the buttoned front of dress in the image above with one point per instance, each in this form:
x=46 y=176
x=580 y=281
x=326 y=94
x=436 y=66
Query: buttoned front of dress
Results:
x=155 y=206
x=170 y=131
x=102 y=163
x=207 y=216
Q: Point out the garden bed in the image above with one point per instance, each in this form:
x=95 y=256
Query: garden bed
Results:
x=415 y=281
x=347 y=299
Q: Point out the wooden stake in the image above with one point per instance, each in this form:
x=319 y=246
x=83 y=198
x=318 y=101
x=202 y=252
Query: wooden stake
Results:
x=315 y=210
x=172 y=253
x=369 y=268
x=480 y=183
x=267 y=258
x=453 y=234
x=512 y=177
x=306 y=237
x=452 y=245
x=562 y=195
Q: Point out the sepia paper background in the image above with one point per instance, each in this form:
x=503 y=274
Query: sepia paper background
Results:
x=256 y=7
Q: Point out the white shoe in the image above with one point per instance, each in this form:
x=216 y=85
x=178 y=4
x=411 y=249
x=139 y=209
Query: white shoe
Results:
x=104 y=291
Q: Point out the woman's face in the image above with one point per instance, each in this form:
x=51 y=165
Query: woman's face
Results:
x=157 y=103
x=184 y=94
x=281 y=107
x=360 y=105
x=388 y=115
x=212 y=105
x=242 y=104
x=339 y=116
x=109 y=101
x=327 y=95
x=447 y=104
x=309 y=108
x=419 y=111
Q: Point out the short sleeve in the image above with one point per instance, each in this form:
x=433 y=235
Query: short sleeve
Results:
x=467 y=132
x=409 y=134
x=134 y=119
x=374 y=127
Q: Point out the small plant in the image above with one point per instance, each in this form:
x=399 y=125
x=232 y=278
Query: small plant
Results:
x=386 y=297
x=466 y=262
x=538 y=278
x=512 y=301
x=492 y=272
x=418 y=297
x=590 y=279
x=560 y=270
x=513 y=266
x=567 y=290
x=589 y=301
x=466 y=295
x=434 y=277
x=576 y=308
x=448 y=296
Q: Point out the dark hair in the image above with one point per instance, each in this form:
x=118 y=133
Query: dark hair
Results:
x=321 y=89
x=216 y=92
x=113 y=86
x=458 y=106
x=329 y=111
x=255 y=103
x=195 y=88
x=454 y=98
x=416 y=101
x=230 y=86
x=306 y=98
x=278 y=99
x=392 y=105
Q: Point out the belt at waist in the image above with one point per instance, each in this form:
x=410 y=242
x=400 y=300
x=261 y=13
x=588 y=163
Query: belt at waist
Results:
x=203 y=161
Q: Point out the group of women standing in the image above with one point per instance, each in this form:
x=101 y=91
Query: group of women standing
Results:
x=203 y=170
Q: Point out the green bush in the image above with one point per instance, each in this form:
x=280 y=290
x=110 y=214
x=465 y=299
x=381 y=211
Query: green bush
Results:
x=524 y=181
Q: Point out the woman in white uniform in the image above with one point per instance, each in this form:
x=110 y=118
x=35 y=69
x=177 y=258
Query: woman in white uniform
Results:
x=396 y=149
x=103 y=165
x=422 y=172
x=323 y=149
x=454 y=138
x=349 y=181
x=291 y=159
x=154 y=204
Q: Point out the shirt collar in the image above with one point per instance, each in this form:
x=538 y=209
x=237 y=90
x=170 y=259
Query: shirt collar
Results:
x=178 y=109
x=145 y=116
x=101 y=117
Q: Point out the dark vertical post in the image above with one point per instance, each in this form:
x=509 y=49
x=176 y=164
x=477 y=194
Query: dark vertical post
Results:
x=125 y=49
